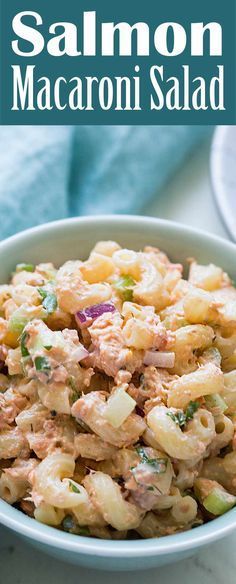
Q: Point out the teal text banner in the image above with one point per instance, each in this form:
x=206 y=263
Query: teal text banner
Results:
x=130 y=62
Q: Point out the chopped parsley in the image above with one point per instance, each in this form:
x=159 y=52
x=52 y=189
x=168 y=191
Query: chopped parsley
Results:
x=49 y=300
x=42 y=364
x=73 y=487
x=158 y=464
x=182 y=418
x=23 y=339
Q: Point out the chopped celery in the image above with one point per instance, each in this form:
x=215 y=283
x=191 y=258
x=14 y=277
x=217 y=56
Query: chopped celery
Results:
x=119 y=407
x=42 y=364
x=124 y=286
x=17 y=322
x=215 y=404
x=219 y=501
x=22 y=315
x=25 y=268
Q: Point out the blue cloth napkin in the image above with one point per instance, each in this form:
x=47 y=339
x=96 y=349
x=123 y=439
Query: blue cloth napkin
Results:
x=52 y=172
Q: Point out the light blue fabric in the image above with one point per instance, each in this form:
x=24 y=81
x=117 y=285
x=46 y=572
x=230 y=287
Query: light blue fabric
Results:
x=49 y=172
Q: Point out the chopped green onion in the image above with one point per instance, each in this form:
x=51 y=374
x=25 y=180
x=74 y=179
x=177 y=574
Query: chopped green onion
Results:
x=24 y=351
x=73 y=487
x=49 y=300
x=25 y=268
x=215 y=404
x=124 y=286
x=42 y=364
x=219 y=501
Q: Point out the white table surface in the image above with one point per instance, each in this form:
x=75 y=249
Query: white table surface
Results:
x=186 y=199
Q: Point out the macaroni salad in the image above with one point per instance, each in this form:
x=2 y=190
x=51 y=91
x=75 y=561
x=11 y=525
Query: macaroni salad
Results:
x=118 y=393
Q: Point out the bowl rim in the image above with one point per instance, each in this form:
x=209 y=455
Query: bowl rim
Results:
x=165 y=545
x=216 y=161
x=101 y=218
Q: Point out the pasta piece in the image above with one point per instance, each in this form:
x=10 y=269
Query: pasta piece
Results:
x=199 y=307
x=13 y=444
x=11 y=489
x=154 y=525
x=167 y=501
x=107 y=497
x=229 y=391
x=49 y=515
x=56 y=397
x=13 y=361
x=203 y=426
x=32 y=418
x=106 y=248
x=184 y=511
x=128 y=262
x=224 y=433
x=16 y=478
x=51 y=482
x=91 y=446
x=74 y=293
x=178 y=444
x=186 y=472
x=98 y=268
x=208 y=277
x=206 y=380
x=91 y=409
x=188 y=340
x=88 y=514
x=150 y=289
x=229 y=464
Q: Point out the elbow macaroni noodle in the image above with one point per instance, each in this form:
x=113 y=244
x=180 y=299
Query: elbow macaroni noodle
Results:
x=98 y=437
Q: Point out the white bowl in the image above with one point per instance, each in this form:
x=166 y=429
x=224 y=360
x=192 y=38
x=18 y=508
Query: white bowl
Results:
x=73 y=238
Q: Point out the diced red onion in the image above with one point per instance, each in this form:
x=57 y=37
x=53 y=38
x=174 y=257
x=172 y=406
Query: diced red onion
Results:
x=159 y=359
x=86 y=316
x=80 y=353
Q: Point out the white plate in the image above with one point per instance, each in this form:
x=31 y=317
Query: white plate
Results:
x=223 y=174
